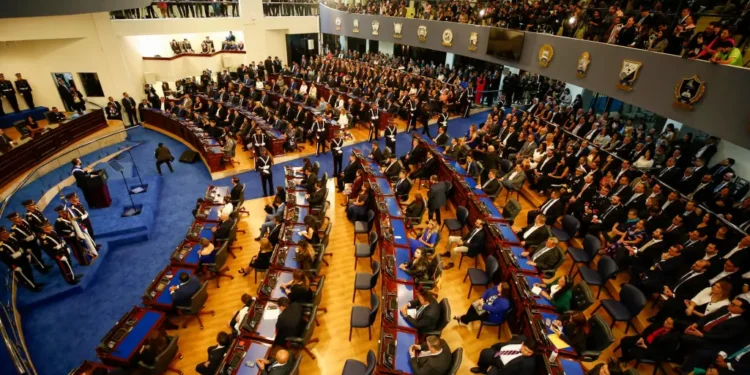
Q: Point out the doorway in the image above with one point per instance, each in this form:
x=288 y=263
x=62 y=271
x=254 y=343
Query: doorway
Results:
x=356 y=44
x=64 y=82
x=374 y=46
x=298 y=45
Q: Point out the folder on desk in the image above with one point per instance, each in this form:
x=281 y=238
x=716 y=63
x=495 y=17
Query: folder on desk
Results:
x=555 y=339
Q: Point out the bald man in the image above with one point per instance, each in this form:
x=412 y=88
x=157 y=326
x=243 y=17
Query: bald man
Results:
x=221 y=231
x=280 y=365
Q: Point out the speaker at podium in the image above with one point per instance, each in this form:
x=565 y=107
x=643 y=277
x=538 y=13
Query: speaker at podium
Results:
x=97 y=191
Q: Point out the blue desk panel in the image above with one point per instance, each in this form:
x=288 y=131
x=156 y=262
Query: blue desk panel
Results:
x=471 y=182
x=427 y=139
x=385 y=186
x=522 y=262
x=284 y=277
x=531 y=280
x=402 y=256
x=166 y=297
x=213 y=214
x=393 y=207
x=290 y=261
x=267 y=327
x=457 y=167
x=571 y=367
x=130 y=343
x=255 y=351
x=404 y=341
x=405 y=295
x=375 y=169
x=494 y=212
x=507 y=232
x=192 y=256
x=206 y=232
x=303 y=212
x=299 y=197
x=399 y=233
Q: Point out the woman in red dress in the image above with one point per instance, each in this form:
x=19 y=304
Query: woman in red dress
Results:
x=480 y=89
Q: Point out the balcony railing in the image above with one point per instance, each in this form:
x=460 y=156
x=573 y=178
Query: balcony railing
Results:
x=290 y=8
x=181 y=9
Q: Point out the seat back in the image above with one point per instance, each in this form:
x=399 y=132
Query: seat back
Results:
x=607 y=267
x=633 y=299
x=370 y=219
x=375 y=274
x=371 y=362
x=506 y=165
x=591 y=245
x=242 y=195
x=297 y=362
x=316 y=165
x=462 y=215
x=319 y=291
x=456 y=358
x=307 y=334
x=511 y=209
x=582 y=297
x=164 y=359
x=221 y=258
x=198 y=300
x=570 y=225
x=325 y=180
x=445 y=314
x=600 y=335
x=233 y=231
x=374 y=307
x=491 y=266
x=373 y=242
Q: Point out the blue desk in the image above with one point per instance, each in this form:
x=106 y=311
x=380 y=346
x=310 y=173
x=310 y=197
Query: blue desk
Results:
x=405 y=294
x=472 y=183
x=299 y=198
x=191 y=258
x=399 y=233
x=267 y=327
x=454 y=163
x=571 y=367
x=507 y=232
x=256 y=351
x=207 y=232
x=522 y=262
x=404 y=341
x=495 y=214
x=11 y=117
x=213 y=215
x=375 y=169
x=402 y=256
x=384 y=185
x=284 y=277
x=166 y=298
x=394 y=210
x=427 y=139
x=290 y=261
x=539 y=300
x=132 y=341
x=302 y=212
x=552 y=317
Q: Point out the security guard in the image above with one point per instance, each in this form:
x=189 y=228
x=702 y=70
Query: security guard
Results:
x=13 y=257
x=337 y=148
x=390 y=136
x=374 y=122
x=319 y=130
x=413 y=107
x=263 y=164
x=24 y=89
x=22 y=232
x=34 y=217
x=6 y=90
x=443 y=119
x=66 y=229
x=79 y=213
x=57 y=249
x=259 y=141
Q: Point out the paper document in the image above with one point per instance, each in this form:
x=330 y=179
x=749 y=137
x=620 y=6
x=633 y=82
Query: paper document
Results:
x=412 y=313
x=536 y=290
x=271 y=314
x=555 y=339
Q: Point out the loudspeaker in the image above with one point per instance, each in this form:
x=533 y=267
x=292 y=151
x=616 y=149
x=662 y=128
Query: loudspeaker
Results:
x=188 y=157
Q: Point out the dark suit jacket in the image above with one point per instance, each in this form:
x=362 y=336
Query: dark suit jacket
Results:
x=520 y=365
x=215 y=356
x=477 y=242
x=727 y=334
x=537 y=237
x=317 y=198
x=402 y=187
x=181 y=297
x=392 y=170
x=309 y=183
x=377 y=156
x=289 y=324
x=553 y=212
x=549 y=259
x=278 y=370
x=223 y=229
x=437 y=196
x=427 y=320
x=689 y=288
x=433 y=364
x=234 y=194
x=492 y=187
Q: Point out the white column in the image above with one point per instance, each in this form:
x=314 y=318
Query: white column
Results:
x=449 y=59
x=367 y=45
x=385 y=47
x=342 y=40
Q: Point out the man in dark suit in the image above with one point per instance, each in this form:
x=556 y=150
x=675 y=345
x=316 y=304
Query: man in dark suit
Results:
x=393 y=168
x=428 y=168
x=670 y=173
x=222 y=231
x=676 y=291
x=605 y=220
x=426 y=316
x=436 y=197
x=672 y=206
x=675 y=232
x=236 y=192
x=470 y=244
x=704 y=190
x=309 y=181
x=215 y=355
x=281 y=364
x=183 y=292
x=318 y=197
x=432 y=357
x=402 y=186
x=163 y=155
x=544 y=257
x=275 y=233
x=491 y=186
x=514 y=357
x=552 y=209
x=722 y=168
x=376 y=154
x=349 y=174
x=289 y=322
x=725 y=362
x=722 y=329
x=536 y=233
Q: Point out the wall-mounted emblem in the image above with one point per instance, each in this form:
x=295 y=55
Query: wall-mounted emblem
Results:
x=447 y=37
x=545 y=55
x=473 y=41
x=422 y=33
x=356 y=26
x=688 y=92
x=583 y=65
x=397 y=26
x=628 y=74
x=338 y=23
x=375 y=27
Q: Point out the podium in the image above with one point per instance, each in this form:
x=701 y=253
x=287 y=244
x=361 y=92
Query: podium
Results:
x=98 y=192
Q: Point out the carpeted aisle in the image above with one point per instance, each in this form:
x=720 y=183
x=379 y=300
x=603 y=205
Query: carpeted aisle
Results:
x=62 y=333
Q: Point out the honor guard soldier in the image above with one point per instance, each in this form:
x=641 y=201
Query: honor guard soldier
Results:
x=13 y=257
x=67 y=230
x=57 y=249
x=263 y=164
x=24 y=89
x=319 y=130
x=259 y=140
x=374 y=122
x=443 y=118
x=337 y=148
x=79 y=212
x=413 y=107
x=470 y=97
x=22 y=232
x=6 y=90
x=463 y=103
x=390 y=136
x=34 y=217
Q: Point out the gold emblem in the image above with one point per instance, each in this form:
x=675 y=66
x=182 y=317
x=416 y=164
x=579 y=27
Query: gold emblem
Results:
x=688 y=92
x=583 y=65
x=375 y=27
x=447 y=37
x=473 y=41
x=422 y=33
x=628 y=74
x=356 y=26
x=397 y=26
x=338 y=23
x=545 y=55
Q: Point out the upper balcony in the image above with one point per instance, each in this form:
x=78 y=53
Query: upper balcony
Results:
x=646 y=79
x=41 y=8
